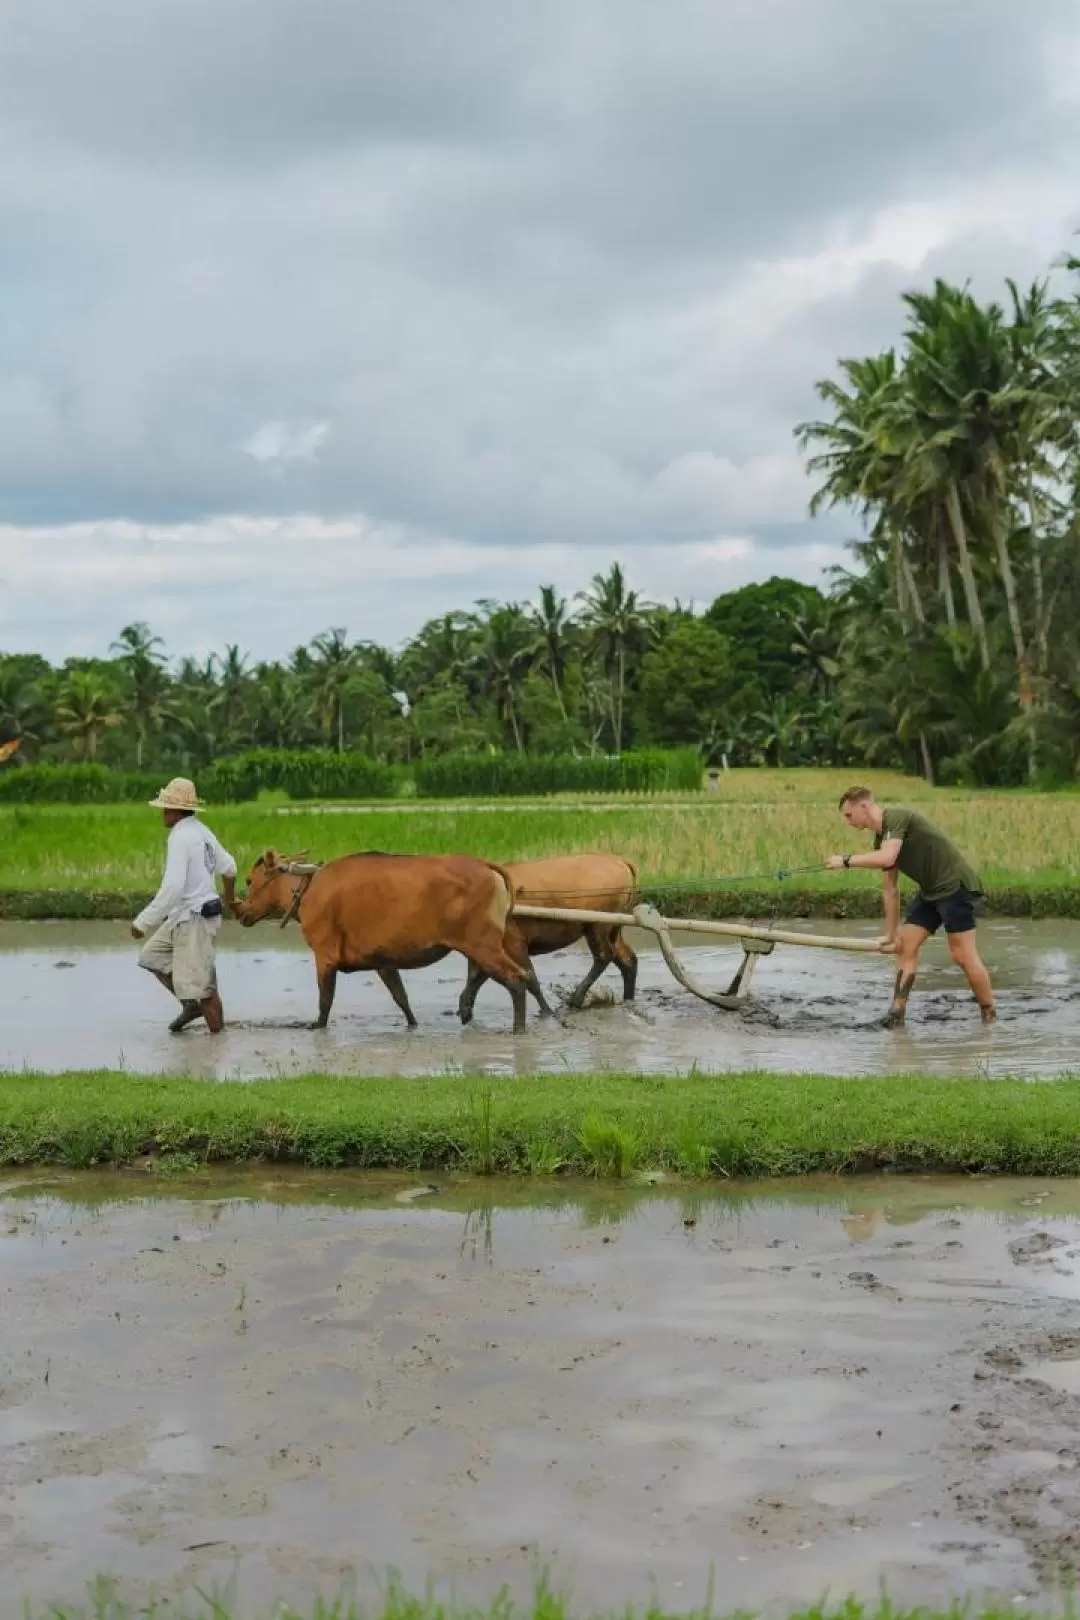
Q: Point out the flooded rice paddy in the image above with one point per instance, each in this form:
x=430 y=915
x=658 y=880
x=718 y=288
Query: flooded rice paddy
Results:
x=73 y=997
x=299 y=1382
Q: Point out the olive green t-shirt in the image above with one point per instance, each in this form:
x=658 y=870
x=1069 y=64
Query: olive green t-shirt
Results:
x=926 y=856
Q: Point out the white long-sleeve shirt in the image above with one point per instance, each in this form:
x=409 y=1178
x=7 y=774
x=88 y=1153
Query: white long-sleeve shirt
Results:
x=194 y=859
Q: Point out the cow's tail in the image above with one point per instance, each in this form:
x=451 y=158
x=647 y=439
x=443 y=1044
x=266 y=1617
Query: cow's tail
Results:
x=504 y=898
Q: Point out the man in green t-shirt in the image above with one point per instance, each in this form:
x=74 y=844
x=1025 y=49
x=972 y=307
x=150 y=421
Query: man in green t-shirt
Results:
x=949 y=893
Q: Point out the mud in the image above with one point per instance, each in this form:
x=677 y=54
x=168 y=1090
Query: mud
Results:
x=73 y=997
x=300 y=1383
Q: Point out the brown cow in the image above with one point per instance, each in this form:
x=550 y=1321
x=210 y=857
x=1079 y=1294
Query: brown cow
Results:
x=380 y=913
x=577 y=882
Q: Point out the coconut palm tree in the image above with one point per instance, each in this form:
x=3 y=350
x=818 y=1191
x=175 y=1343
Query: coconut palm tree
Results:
x=146 y=681
x=505 y=650
x=554 y=626
x=85 y=709
x=617 y=628
x=334 y=664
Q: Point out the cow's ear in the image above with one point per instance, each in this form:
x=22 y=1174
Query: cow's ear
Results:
x=269 y=860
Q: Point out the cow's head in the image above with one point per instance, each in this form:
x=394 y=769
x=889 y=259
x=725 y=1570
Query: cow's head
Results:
x=270 y=889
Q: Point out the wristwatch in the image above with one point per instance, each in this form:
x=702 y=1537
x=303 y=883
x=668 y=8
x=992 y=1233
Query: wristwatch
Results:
x=847 y=860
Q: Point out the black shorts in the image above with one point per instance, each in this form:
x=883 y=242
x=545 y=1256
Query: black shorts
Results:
x=957 y=911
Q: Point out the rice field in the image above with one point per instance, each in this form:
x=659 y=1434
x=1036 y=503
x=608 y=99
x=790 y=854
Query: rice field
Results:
x=760 y=821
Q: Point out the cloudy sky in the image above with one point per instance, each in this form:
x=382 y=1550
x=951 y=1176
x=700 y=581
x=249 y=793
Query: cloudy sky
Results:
x=347 y=312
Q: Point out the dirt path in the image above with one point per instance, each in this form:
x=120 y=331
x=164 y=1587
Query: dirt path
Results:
x=803 y=1396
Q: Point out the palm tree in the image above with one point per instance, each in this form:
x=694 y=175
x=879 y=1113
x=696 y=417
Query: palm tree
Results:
x=781 y=728
x=553 y=622
x=147 y=683
x=617 y=627
x=440 y=652
x=282 y=708
x=334 y=664
x=504 y=652
x=85 y=709
x=233 y=684
x=815 y=643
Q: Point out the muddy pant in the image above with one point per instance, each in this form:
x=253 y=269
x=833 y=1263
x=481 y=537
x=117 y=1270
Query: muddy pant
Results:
x=186 y=948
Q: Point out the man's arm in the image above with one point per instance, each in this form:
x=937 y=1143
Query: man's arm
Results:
x=169 y=895
x=225 y=869
x=892 y=906
x=875 y=860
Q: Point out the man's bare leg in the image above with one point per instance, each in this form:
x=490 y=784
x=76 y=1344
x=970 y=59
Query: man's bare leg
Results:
x=909 y=942
x=965 y=953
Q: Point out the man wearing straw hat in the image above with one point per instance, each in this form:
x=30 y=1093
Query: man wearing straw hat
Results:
x=183 y=918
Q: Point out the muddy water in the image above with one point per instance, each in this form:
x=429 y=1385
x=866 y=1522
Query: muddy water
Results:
x=303 y=1382
x=72 y=997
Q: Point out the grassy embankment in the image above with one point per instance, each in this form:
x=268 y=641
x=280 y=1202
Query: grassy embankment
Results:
x=747 y=1125
x=103 y=861
x=397 y=1604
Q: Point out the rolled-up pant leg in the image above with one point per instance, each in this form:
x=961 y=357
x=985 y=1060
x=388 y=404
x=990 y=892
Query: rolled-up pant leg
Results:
x=187 y=949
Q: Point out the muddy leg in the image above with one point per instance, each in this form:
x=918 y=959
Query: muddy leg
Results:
x=473 y=984
x=327 y=986
x=909 y=942
x=626 y=962
x=580 y=991
x=392 y=980
x=165 y=980
x=214 y=1013
x=965 y=954
x=517 y=949
x=496 y=963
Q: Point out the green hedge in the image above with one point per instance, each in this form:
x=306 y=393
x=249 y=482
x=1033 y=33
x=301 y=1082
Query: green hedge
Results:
x=316 y=774
x=75 y=784
x=462 y=776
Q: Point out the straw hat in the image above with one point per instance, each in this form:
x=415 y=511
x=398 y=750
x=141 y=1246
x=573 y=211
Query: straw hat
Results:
x=178 y=795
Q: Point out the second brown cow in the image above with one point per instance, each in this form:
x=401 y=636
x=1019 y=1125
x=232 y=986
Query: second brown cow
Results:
x=597 y=882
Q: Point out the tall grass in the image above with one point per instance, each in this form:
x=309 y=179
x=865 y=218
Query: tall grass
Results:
x=478 y=775
x=1014 y=839
x=600 y=1125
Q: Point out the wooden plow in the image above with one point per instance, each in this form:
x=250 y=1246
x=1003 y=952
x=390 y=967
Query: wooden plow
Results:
x=755 y=942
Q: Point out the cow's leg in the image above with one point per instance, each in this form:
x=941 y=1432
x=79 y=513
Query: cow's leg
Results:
x=517 y=948
x=598 y=942
x=626 y=961
x=473 y=985
x=392 y=980
x=493 y=960
x=327 y=977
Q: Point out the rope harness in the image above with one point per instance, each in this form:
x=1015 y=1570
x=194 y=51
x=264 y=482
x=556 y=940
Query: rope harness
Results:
x=305 y=871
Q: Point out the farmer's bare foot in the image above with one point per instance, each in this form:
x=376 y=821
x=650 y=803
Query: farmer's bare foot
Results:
x=189 y=1012
x=987 y=1011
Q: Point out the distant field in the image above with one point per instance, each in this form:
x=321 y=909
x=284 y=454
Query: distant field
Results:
x=760 y=821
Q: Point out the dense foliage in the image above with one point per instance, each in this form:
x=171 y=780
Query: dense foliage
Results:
x=956 y=637
x=506 y=682
x=949 y=647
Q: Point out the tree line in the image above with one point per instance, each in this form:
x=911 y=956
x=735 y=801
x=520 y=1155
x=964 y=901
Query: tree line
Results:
x=600 y=674
x=948 y=647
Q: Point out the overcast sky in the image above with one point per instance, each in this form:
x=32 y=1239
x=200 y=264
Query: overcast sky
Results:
x=348 y=312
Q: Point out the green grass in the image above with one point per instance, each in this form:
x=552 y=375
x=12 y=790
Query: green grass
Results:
x=746 y=1125
x=546 y=1604
x=103 y=860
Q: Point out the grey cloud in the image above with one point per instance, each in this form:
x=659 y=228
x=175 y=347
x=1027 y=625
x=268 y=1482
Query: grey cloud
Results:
x=507 y=253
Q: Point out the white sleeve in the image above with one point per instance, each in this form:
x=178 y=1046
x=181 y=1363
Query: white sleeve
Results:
x=224 y=865
x=171 y=892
